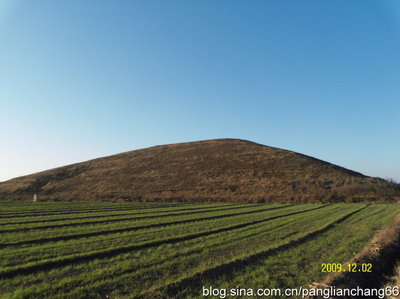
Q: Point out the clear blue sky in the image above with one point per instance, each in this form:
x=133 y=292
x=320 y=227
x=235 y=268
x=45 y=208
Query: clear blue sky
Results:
x=83 y=79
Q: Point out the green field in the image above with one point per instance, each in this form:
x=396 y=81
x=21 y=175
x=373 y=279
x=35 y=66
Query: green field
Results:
x=154 y=250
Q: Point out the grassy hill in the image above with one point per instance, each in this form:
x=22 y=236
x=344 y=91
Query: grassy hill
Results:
x=221 y=170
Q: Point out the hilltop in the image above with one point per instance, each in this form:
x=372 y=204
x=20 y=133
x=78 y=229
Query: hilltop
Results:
x=221 y=170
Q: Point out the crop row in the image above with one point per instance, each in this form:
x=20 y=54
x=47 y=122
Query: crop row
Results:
x=16 y=254
x=215 y=246
x=278 y=247
x=63 y=209
x=54 y=218
x=88 y=220
x=298 y=265
x=77 y=231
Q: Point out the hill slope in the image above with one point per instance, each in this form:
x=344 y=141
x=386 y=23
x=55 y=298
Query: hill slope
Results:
x=212 y=170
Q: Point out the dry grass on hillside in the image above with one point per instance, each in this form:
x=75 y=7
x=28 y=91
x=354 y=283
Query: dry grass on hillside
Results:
x=219 y=170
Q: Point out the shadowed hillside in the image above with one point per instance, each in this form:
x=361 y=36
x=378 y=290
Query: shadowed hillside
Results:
x=213 y=170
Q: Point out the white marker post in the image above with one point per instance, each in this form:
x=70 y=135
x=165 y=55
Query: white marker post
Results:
x=35 y=197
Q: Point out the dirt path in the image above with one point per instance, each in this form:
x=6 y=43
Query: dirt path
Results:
x=383 y=251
